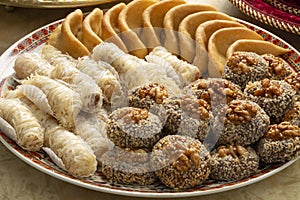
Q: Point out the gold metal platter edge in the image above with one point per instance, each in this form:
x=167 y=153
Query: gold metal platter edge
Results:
x=53 y=3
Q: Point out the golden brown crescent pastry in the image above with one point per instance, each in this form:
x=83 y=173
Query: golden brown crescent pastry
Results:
x=131 y=23
x=187 y=29
x=66 y=36
x=110 y=27
x=202 y=35
x=153 y=18
x=257 y=46
x=173 y=18
x=91 y=29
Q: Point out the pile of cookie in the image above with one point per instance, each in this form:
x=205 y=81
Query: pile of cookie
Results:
x=166 y=122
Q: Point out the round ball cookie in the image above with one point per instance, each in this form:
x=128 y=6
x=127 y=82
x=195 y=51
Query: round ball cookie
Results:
x=278 y=68
x=274 y=96
x=241 y=122
x=243 y=67
x=187 y=115
x=134 y=128
x=149 y=96
x=180 y=161
x=128 y=166
x=230 y=163
x=280 y=143
x=215 y=91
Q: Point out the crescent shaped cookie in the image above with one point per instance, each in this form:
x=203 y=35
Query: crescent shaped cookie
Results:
x=65 y=38
x=202 y=35
x=91 y=28
x=257 y=46
x=131 y=23
x=173 y=18
x=153 y=21
x=110 y=27
x=219 y=43
x=187 y=29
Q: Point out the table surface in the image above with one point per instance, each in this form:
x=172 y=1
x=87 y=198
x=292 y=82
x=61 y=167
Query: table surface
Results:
x=18 y=180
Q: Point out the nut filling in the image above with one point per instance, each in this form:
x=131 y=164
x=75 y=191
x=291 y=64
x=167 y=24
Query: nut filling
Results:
x=282 y=131
x=267 y=89
x=239 y=63
x=294 y=80
x=137 y=115
x=278 y=69
x=240 y=112
x=234 y=151
x=197 y=108
x=274 y=96
x=215 y=91
x=147 y=96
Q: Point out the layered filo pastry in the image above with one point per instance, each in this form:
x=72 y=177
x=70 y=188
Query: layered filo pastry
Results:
x=135 y=72
x=75 y=156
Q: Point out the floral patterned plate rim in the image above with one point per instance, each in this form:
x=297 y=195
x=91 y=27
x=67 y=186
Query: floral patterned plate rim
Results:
x=268 y=14
x=39 y=160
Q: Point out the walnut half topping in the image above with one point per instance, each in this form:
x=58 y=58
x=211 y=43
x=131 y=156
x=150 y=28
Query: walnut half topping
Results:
x=154 y=91
x=294 y=80
x=197 y=108
x=277 y=66
x=138 y=114
x=239 y=112
x=239 y=63
x=234 y=151
x=221 y=88
x=282 y=131
x=268 y=88
x=189 y=158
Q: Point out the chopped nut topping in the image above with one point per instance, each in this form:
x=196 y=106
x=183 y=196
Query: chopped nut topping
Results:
x=205 y=96
x=185 y=161
x=282 y=131
x=202 y=84
x=268 y=89
x=154 y=91
x=222 y=88
x=276 y=65
x=294 y=80
x=239 y=63
x=240 y=112
x=197 y=108
x=234 y=151
x=138 y=114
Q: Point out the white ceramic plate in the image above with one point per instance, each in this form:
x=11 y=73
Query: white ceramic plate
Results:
x=39 y=160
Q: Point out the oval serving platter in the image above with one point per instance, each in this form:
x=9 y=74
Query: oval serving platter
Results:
x=39 y=160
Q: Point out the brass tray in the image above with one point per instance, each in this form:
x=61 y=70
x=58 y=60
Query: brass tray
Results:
x=53 y=3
